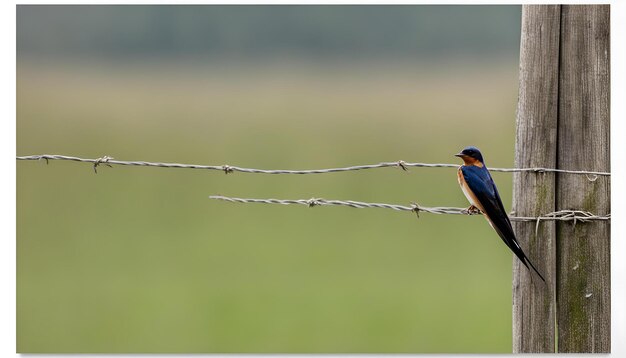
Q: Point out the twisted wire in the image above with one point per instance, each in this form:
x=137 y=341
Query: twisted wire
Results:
x=562 y=215
x=229 y=168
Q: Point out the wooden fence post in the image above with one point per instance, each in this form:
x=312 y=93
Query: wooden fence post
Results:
x=563 y=122
x=583 y=266
x=534 y=194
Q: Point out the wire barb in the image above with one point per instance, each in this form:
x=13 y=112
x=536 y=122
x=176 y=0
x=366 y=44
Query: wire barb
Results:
x=312 y=202
x=229 y=169
x=416 y=209
x=104 y=160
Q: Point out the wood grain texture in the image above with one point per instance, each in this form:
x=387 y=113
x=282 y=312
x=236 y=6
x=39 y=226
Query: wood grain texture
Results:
x=583 y=262
x=534 y=307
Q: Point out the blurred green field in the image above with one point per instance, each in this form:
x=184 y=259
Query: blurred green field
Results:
x=140 y=260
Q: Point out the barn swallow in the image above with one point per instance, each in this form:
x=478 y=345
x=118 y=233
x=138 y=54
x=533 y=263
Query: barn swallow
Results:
x=481 y=191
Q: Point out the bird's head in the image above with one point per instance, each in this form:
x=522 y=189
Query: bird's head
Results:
x=471 y=156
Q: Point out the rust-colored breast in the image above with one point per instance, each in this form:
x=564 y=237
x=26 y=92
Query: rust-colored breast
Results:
x=467 y=191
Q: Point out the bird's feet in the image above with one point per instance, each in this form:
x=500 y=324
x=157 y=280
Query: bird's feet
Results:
x=472 y=210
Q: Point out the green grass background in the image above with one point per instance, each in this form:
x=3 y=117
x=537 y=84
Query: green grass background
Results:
x=141 y=260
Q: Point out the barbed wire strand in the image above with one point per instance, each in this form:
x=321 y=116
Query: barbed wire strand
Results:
x=591 y=175
x=561 y=215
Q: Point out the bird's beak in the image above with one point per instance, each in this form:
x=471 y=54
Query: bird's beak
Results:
x=460 y=155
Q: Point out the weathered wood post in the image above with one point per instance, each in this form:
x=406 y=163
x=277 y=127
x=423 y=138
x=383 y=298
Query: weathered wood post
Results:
x=583 y=267
x=534 y=310
x=563 y=122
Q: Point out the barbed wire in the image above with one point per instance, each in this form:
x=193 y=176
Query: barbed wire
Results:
x=591 y=175
x=561 y=215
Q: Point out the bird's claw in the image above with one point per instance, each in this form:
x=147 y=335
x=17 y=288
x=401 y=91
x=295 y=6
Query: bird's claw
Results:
x=472 y=210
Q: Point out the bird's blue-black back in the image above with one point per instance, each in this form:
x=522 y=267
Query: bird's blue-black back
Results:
x=481 y=184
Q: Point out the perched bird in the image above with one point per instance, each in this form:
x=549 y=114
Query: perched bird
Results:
x=481 y=191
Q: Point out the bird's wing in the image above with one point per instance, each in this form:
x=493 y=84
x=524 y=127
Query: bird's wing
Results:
x=484 y=189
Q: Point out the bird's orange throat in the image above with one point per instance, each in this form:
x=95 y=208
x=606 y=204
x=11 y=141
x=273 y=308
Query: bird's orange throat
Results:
x=467 y=160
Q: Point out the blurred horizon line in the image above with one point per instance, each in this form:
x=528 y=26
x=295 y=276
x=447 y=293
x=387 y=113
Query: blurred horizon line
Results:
x=256 y=31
